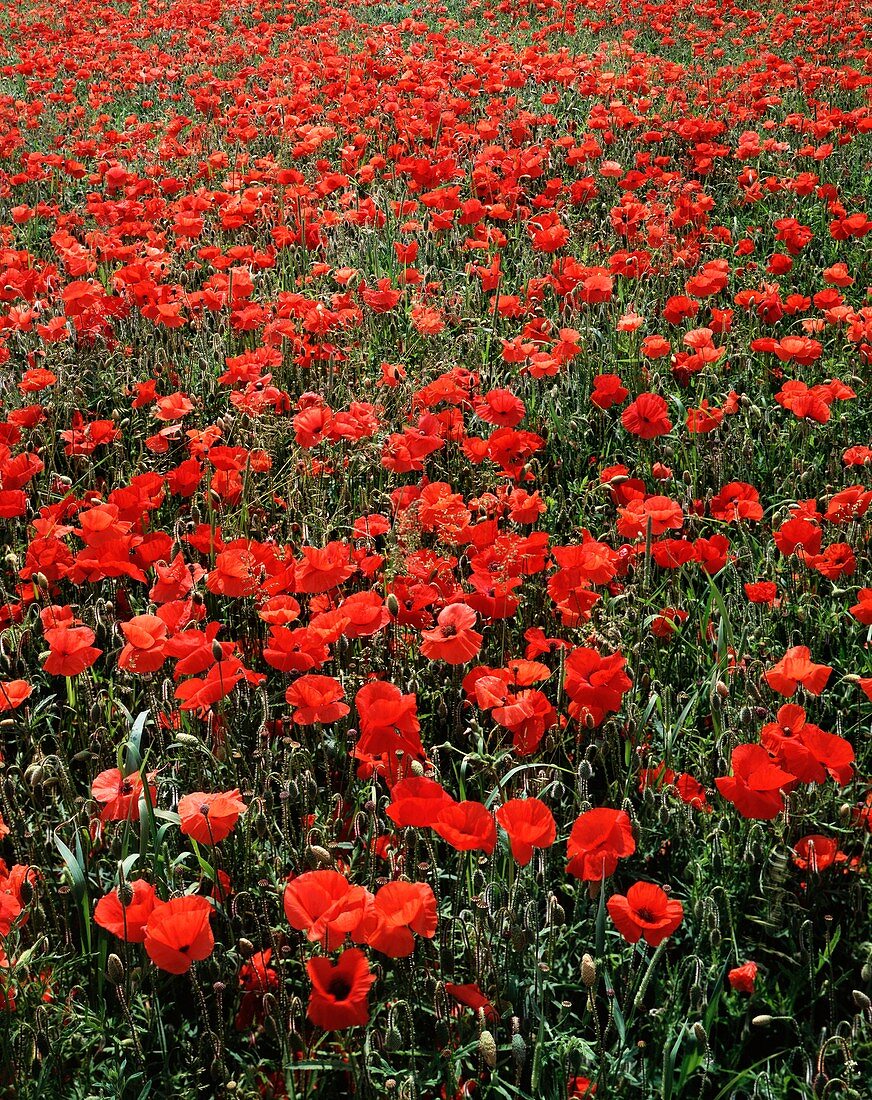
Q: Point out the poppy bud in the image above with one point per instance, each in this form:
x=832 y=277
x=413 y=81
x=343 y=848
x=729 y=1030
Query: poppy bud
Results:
x=261 y=826
x=762 y=1021
x=34 y=775
x=861 y=1000
x=217 y=652
x=392 y=604
x=41 y=581
x=245 y=947
x=115 y=969
x=320 y=855
x=125 y=894
x=588 y=971
x=417 y=768
x=519 y=1051
x=722 y=689
x=487 y=1049
x=700 y=1035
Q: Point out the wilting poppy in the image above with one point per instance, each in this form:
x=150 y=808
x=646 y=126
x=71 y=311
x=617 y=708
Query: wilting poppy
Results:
x=646 y=912
x=742 y=978
x=178 y=934
x=340 y=990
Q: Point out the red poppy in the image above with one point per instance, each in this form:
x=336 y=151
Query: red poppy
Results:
x=529 y=824
x=796 y=668
x=120 y=794
x=742 y=978
x=178 y=934
x=756 y=785
x=144 y=651
x=595 y=684
x=647 y=416
x=452 y=639
x=209 y=818
x=340 y=990
x=317 y=699
x=325 y=906
x=467 y=826
x=13 y=693
x=127 y=919
x=816 y=853
x=646 y=912
x=398 y=910
x=416 y=801
x=599 y=838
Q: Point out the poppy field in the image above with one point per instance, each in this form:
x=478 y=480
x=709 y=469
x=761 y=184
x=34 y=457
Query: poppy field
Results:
x=436 y=577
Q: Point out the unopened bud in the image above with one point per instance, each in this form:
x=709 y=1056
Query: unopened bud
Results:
x=487 y=1049
x=762 y=1021
x=245 y=948
x=392 y=604
x=320 y=855
x=588 y=971
x=115 y=969
x=861 y=1000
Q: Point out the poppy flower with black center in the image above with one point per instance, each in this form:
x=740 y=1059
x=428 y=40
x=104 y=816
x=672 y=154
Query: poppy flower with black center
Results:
x=599 y=838
x=452 y=639
x=340 y=990
x=120 y=793
x=209 y=818
x=647 y=417
x=646 y=912
x=178 y=934
x=529 y=824
x=127 y=920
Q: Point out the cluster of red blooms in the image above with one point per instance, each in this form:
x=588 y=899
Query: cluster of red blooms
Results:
x=513 y=509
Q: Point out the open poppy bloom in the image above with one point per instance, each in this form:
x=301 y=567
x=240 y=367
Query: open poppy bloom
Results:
x=467 y=826
x=452 y=639
x=599 y=838
x=398 y=910
x=529 y=823
x=13 y=693
x=796 y=668
x=144 y=651
x=340 y=990
x=178 y=934
x=317 y=699
x=646 y=912
x=325 y=906
x=756 y=785
x=127 y=921
x=120 y=793
x=417 y=801
x=209 y=818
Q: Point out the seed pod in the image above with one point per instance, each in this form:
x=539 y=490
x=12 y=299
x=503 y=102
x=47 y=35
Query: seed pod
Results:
x=115 y=969
x=588 y=971
x=487 y=1049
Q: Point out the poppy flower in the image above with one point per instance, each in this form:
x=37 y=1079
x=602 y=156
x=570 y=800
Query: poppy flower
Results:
x=127 y=920
x=317 y=699
x=467 y=826
x=325 y=906
x=756 y=785
x=599 y=838
x=209 y=818
x=398 y=910
x=388 y=721
x=340 y=990
x=13 y=693
x=144 y=651
x=120 y=793
x=529 y=824
x=595 y=684
x=742 y=978
x=647 y=416
x=816 y=853
x=645 y=912
x=178 y=934
x=452 y=639
x=795 y=668
x=416 y=801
